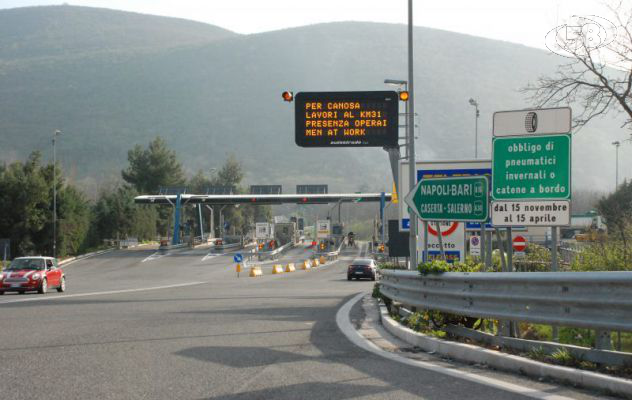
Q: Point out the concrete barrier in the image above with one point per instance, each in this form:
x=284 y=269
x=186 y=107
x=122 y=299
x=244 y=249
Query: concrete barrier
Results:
x=290 y=267
x=306 y=265
x=277 y=269
x=255 y=271
x=315 y=263
x=322 y=260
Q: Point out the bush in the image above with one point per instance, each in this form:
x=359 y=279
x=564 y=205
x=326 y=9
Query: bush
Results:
x=606 y=256
x=441 y=266
x=376 y=291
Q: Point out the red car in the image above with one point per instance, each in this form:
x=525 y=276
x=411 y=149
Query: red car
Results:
x=32 y=274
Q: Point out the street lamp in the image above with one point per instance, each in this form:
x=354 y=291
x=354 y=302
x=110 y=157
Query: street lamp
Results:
x=57 y=133
x=616 y=144
x=475 y=104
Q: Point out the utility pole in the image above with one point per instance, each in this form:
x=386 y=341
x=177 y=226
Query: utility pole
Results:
x=411 y=138
x=57 y=133
x=476 y=115
x=616 y=144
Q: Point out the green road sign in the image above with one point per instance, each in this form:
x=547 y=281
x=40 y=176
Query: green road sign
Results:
x=531 y=168
x=451 y=199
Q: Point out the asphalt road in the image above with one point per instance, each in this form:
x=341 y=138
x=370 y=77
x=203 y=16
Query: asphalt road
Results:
x=137 y=324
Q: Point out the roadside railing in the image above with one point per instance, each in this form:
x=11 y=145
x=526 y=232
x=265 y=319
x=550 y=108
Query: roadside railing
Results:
x=600 y=301
x=594 y=300
x=330 y=255
x=264 y=255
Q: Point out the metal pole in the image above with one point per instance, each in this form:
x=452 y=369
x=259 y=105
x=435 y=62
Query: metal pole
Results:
x=490 y=249
x=221 y=222
x=554 y=267
x=501 y=248
x=406 y=128
x=411 y=137
x=382 y=203
x=176 y=220
x=616 y=144
x=441 y=249
x=57 y=133
x=425 y=252
x=201 y=223
x=617 y=169
x=483 y=245
x=509 y=251
x=476 y=134
x=211 y=222
x=339 y=209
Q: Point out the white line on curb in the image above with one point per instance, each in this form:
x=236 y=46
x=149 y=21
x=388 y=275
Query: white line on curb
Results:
x=68 y=296
x=344 y=324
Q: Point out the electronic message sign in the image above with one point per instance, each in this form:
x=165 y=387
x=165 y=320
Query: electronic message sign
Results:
x=346 y=119
x=266 y=189
x=311 y=189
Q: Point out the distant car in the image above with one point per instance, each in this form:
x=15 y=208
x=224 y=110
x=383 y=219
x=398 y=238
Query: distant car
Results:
x=362 y=268
x=32 y=274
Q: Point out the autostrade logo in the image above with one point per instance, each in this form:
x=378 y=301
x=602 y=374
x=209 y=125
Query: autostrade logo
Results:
x=582 y=35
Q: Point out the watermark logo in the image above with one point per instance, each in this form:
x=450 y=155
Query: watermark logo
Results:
x=583 y=34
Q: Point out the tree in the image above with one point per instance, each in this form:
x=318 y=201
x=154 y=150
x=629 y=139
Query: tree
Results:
x=598 y=76
x=616 y=209
x=26 y=198
x=153 y=167
x=231 y=173
x=116 y=216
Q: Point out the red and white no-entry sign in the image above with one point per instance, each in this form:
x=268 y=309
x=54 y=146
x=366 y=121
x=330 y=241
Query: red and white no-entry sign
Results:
x=519 y=243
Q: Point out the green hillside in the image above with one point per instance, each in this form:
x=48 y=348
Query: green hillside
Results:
x=210 y=93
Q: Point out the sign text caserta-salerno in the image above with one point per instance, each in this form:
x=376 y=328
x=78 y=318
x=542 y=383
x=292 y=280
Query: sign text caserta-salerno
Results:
x=451 y=199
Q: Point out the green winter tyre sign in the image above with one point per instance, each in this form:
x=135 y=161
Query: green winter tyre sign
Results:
x=531 y=168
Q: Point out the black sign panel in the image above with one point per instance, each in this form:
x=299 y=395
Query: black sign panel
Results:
x=346 y=119
x=266 y=189
x=398 y=244
x=221 y=190
x=172 y=190
x=312 y=189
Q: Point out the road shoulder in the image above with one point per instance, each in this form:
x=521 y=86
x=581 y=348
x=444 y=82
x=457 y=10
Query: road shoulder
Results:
x=359 y=320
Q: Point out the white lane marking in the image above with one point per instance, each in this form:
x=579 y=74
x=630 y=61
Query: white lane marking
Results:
x=84 y=257
x=344 y=324
x=68 y=296
x=155 y=256
x=212 y=255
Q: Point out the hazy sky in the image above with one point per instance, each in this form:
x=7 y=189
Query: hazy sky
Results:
x=518 y=21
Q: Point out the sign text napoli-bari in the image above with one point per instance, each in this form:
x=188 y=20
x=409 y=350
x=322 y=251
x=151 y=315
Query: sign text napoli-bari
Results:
x=450 y=199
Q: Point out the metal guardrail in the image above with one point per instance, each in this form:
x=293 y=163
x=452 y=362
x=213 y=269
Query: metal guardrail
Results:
x=262 y=255
x=330 y=254
x=227 y=247
x=593 y=300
